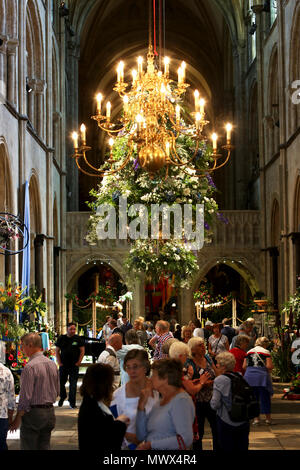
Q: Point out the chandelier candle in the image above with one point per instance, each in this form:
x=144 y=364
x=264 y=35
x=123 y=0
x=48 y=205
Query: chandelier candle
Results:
x=152 y=123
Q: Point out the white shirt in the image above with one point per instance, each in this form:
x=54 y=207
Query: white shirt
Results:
x=128 y=407
x=7 y=391
x=107 y=358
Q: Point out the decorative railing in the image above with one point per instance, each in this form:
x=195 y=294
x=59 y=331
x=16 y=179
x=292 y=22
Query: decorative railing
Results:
x=241 y=232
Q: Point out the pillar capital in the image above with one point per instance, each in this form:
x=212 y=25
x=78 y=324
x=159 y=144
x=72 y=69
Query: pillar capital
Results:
x=12 y=45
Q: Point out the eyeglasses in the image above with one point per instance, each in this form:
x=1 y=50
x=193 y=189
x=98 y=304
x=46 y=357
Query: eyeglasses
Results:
x=135 y=367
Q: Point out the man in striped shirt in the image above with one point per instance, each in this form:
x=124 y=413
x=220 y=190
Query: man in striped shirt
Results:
x=39 y=390
x=162 y=334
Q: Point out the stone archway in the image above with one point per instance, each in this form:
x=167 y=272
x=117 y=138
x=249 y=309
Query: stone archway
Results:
x=296 y=237
x=243 y=266
x=6 y=202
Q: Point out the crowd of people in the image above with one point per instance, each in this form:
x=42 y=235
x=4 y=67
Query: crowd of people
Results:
x=153 y=387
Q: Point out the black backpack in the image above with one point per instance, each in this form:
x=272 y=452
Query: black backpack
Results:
x=244 y=403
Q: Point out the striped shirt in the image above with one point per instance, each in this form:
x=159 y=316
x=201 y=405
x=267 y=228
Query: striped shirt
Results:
x=39 y=382
x=160 y=341
x=7 y=391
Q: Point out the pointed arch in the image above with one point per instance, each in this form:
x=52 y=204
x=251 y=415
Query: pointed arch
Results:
x=296 y=221
x=294 y=71
x=6 y=198
x=273 y=105
x=35 y=221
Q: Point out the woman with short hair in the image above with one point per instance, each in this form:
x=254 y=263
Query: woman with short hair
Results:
x=239 y=352
x=186 y=333
x=204 y=371
x=97 y=428
x=132 y=342
x=258 y=365
x=126 y=398
x=217 y=343
x=141 y=332
x=232 y=436
x=169 y=425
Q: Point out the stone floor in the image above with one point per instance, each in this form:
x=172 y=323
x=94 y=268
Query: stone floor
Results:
x=282 y=434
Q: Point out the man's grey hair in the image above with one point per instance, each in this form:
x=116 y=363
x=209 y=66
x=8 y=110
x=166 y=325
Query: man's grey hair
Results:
x=33 y=339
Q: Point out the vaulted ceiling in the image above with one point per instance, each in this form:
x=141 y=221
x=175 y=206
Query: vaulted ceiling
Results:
x=204 y=33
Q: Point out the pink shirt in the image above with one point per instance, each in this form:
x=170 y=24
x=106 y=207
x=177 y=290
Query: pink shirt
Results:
x=39 y=382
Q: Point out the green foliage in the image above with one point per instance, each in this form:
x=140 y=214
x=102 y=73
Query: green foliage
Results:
x=281 y=356
x=179 y=186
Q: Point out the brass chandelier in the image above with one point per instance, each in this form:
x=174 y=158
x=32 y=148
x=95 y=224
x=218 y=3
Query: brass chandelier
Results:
x=152 y=122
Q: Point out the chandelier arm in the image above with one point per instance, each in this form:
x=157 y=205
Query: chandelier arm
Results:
x=111 y=131
x=173 y=151
x=179 y=129
x=222 y=164
x=87 y=162
x=99 y=175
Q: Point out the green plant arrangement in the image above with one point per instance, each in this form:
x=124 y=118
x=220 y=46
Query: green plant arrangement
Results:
x=33 y=306
x=292 y=307
x=177 y=187
x=10 y=330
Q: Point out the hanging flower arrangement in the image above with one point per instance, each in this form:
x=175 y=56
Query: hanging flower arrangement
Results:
x=155 y=258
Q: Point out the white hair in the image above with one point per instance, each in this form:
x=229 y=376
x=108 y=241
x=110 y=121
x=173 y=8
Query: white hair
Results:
x=195 y=341
x=227 y=360
x=177 y=349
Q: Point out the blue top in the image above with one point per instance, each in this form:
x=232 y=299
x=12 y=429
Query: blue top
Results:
x=164 y=423
x=222 y=399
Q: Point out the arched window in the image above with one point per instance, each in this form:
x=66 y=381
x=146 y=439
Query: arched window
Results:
x=273 y=10
x=294 y=106
x=272 y=118
x=252 y=31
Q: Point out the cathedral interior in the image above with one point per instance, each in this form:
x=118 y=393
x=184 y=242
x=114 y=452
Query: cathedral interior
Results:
x=242 y=56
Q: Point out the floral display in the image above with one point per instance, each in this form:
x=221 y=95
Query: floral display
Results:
x=11 y=299
x=9 y=230
x=106 y=295
x=178 y=186
x=156 y=259
x=205 y=294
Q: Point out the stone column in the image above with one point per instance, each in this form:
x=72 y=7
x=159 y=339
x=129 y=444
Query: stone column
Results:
x=30 y=100
x=296 y=243
x=73 y=51
x=260 y=108
x=56 y=287
x=38 y=251
x=12 y=45
x=3 y=84
x=40 y=108
x=274 y=253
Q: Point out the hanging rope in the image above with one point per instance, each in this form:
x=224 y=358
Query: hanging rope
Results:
x=244 y=305
x=154 y=28
x=164 y=26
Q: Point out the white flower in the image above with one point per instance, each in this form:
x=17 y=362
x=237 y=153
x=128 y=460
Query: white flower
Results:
x=178 y=200
x=186 y=191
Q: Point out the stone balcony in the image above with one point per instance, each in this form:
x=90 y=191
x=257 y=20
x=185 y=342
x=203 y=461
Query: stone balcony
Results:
x=241 y=232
